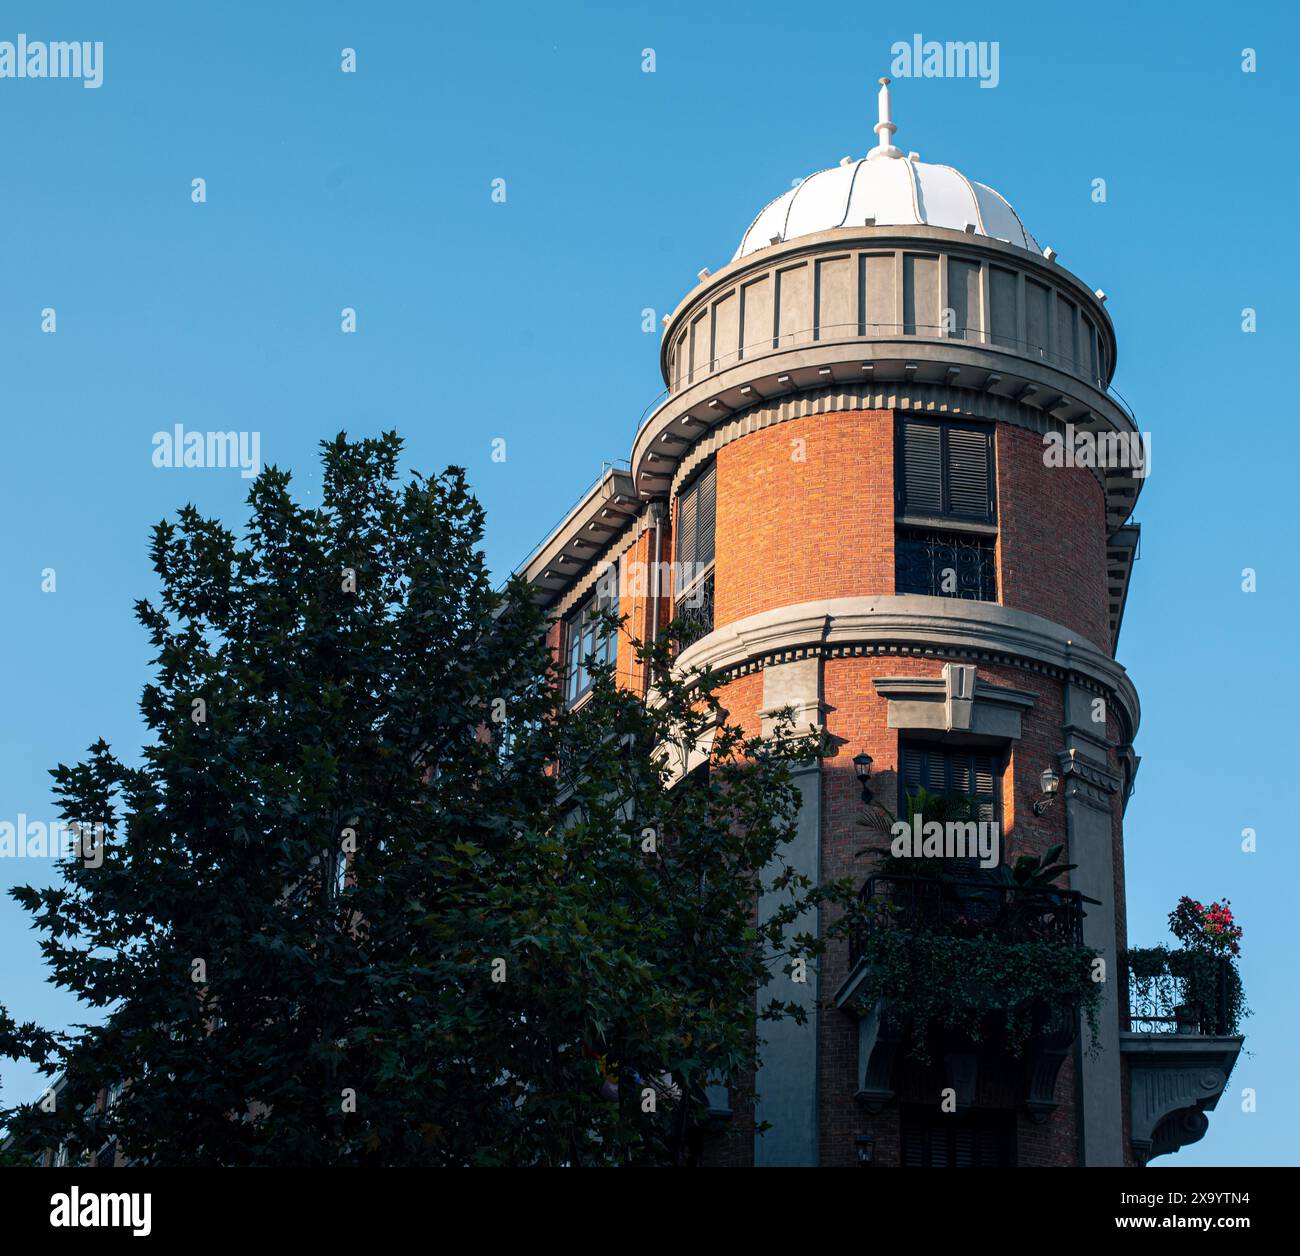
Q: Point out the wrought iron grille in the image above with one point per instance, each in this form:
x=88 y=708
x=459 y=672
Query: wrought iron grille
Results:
x=971 y=907
x=945 y=564
x=1180 y=992
x=694 y=609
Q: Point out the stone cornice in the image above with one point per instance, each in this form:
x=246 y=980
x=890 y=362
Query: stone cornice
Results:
x=915 y=626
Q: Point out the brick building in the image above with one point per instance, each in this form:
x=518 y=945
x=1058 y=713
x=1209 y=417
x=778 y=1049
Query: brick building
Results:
x=856 y=481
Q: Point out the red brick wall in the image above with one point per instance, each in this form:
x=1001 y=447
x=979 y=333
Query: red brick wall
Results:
x=806 y=511
x=795 y=531
x=856 y=720
x=1051 y=537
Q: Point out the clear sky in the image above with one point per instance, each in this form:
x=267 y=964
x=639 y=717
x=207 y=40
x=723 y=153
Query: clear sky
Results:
x=522 y=320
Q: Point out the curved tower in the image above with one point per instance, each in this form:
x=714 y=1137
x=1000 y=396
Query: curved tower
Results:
x=895 y=490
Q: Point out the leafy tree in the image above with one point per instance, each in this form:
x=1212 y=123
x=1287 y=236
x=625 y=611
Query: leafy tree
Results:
x=372 y=895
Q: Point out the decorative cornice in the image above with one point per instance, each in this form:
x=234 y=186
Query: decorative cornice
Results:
x=916 y=626
x=956 y=701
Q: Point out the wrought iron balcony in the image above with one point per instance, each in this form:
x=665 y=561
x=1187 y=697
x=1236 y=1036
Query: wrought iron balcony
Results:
x=1167 y=991
x=694 y=609
x=966 y=906
x=944 y=564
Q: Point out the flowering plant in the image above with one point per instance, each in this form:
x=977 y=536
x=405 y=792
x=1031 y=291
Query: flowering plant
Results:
x=1206 y=928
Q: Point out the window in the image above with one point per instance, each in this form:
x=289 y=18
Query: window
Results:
x=971 y=771
x=952 y=770
x=696 y=517
x=977 y=1139
x=586 y=640
x=945 y=564
x=945 y=474
x=696 y=527
x=945 y=470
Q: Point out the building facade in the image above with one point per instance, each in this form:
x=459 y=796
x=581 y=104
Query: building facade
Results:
x=891 y=487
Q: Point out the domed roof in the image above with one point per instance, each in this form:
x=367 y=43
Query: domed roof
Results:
x=888 y=189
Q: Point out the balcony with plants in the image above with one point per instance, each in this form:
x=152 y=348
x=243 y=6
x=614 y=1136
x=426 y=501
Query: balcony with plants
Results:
x=958 y=963
x=1181 y=1014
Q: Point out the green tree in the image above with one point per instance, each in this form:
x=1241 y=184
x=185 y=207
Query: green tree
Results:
x=372 y=895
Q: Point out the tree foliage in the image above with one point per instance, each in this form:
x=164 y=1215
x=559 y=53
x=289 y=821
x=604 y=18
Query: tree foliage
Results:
x=372 y=895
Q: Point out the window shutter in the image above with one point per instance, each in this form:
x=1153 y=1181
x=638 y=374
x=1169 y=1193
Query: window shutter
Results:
x=979 y=1139
x=686 y=530
x=983 y=791
x=968 y=473
x=973 y=773
x=697 y=510
x=922 y=468
x=706 y=510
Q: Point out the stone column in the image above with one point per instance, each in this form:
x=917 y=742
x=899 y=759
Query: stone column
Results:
x=787 y=1080
x=1088 y=786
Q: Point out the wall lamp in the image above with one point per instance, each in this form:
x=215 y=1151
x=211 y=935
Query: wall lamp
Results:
x=862 y=767
x=1051 y=785
x=866 y=1149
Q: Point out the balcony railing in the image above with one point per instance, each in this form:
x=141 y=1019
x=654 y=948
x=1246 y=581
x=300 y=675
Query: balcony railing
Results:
x=694 y=610
x=966 y=906
x=944 y=564
x=1167 y=991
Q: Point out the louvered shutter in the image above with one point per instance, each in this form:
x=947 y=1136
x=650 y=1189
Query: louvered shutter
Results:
x=697 y=511
x=968 y=473
x=686 y=531
x=982 y=790
x=922 y=468
x=972 y=773
x=706 y=510
x=979 y=1139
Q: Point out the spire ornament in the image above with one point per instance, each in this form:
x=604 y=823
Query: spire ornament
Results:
x=885 y=128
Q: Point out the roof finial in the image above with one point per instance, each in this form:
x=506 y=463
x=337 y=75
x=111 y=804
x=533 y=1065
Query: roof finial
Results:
x=884 y=128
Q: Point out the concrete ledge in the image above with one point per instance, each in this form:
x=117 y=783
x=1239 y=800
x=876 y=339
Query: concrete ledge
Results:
x=934 y=625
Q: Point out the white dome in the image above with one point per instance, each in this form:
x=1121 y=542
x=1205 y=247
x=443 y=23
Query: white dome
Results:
x=895 y=192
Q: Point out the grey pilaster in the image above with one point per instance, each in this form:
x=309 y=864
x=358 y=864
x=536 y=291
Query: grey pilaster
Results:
x=787 y=1080
x=1088 y=786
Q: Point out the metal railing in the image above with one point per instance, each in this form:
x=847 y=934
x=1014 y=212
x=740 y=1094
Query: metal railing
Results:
x=694 y=610
x=1177 y=992
x=944 y=564
x=842 y=333
x=966 y=906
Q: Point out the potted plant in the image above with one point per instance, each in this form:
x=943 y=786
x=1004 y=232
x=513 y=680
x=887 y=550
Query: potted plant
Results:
x=1204 y=930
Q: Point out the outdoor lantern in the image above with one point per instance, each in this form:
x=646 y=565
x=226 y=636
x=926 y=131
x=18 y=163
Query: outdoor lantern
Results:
x=862 y=766
x=1050 y=783
x=866 y=1149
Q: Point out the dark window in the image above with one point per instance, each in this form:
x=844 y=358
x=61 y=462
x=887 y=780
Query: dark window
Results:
x=946 y=470
x=586 y=640
x=957 y=1140
x=696 y=525
x=696 y=516
x=952 y=770
x=694 y=609
x=945 y=564
x=972 y=772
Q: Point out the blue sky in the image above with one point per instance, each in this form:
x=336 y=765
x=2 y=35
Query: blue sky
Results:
x=522 y=321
